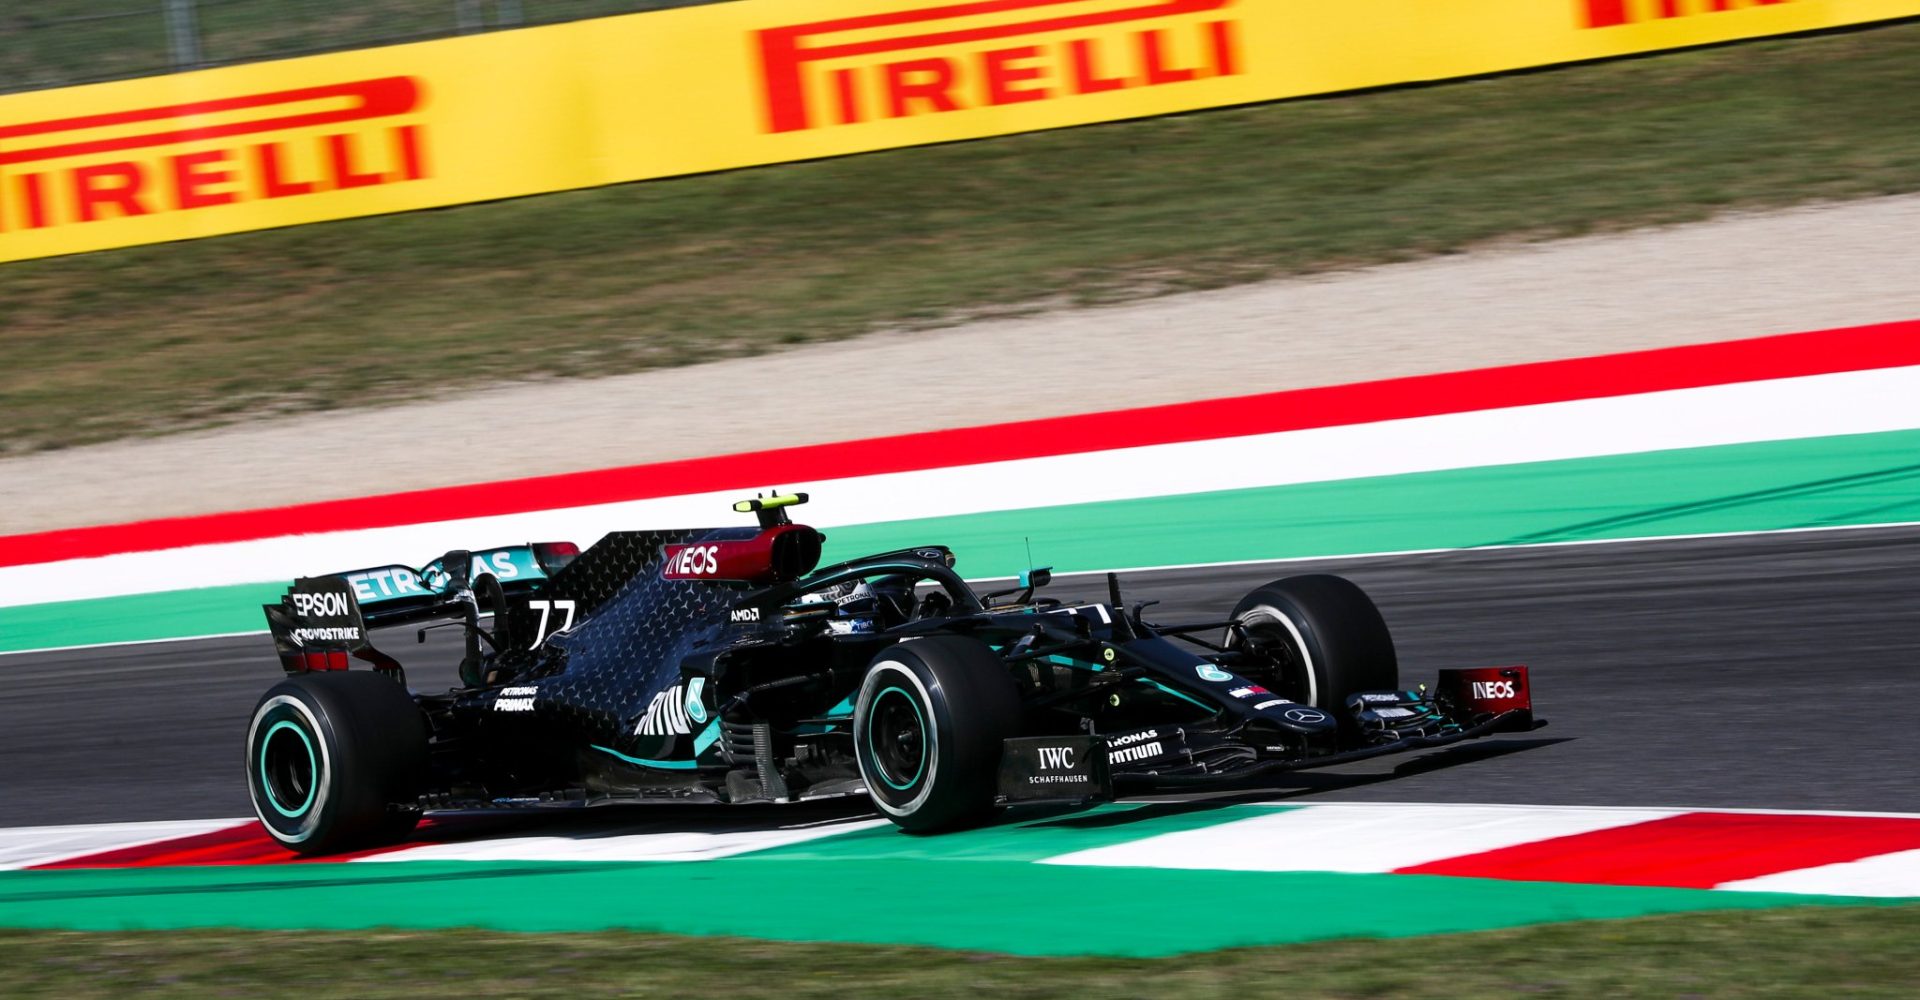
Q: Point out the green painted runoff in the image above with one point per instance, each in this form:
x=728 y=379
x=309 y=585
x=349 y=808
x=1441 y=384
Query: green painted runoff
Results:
x=1851 y=480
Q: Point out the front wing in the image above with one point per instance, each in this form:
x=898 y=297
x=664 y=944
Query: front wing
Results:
x=1078 y=769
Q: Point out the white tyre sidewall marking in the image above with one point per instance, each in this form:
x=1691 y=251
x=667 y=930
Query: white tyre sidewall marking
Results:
x=311 y=820
x=1261 y=613
x=867 y=687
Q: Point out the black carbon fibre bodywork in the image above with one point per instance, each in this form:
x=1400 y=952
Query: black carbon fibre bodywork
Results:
x=712 y=665
x=587 y=674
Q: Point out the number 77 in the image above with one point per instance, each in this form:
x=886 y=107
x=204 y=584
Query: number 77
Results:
x=546 y=609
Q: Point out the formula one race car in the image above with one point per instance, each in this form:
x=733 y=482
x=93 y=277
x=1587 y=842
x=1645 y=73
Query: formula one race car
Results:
x=718 y=665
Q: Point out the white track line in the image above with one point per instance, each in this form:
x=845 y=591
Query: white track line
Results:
x=1341 y=838
x=1333 y=837
x=1896 y=874
x=24 y=847
x=1779 y=409
x=658 y=845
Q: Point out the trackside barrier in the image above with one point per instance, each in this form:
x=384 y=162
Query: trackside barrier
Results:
x=738 y=84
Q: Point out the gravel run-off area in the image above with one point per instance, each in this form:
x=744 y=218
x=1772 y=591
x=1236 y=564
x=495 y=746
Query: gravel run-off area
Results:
x=1738 y=276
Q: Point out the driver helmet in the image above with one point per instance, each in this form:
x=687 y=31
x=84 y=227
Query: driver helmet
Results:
x=855 y=604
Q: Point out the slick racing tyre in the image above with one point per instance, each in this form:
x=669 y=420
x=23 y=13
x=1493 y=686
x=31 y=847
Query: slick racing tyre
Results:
x=928 y=726
x=336 y=760
x=1316 y=639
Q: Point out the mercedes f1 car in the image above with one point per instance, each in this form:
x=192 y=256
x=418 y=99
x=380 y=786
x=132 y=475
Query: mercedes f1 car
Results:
x=719 y=665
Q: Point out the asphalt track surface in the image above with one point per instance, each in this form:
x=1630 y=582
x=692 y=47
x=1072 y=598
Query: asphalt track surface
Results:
x=1765 y=671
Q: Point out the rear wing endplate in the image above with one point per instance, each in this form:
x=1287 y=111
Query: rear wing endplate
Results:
x=317 y=625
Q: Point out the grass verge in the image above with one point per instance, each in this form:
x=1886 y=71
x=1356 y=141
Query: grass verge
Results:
x=1813 y=951
x=617 y=279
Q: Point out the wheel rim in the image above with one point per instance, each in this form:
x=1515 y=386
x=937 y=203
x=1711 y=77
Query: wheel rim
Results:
x=897 y=738
x=289 y=770
x=1275 y=636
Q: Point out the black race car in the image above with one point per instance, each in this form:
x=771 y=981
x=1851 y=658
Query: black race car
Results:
x=719 y=665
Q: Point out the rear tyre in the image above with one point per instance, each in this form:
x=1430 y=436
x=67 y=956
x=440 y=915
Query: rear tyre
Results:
x=1317 y=639
x=336 y=760
x=928 y=727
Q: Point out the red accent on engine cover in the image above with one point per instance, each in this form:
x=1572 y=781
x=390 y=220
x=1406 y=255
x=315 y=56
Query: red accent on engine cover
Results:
x=1477 y=692
x=781 y=553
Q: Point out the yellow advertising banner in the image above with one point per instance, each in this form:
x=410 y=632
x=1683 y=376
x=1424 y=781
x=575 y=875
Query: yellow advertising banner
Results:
x=737 y=84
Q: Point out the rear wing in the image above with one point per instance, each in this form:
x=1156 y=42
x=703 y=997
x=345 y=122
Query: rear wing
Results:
x=396 y=595
x=322 y=621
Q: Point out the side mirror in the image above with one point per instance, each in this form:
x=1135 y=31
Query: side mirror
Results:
x=1035 y=578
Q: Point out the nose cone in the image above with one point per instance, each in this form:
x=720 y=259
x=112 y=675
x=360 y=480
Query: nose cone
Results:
x=1303 y=719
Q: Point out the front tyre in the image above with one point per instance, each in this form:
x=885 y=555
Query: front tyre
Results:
x=1316 y=639
x=928 y=727
x=336 y=760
